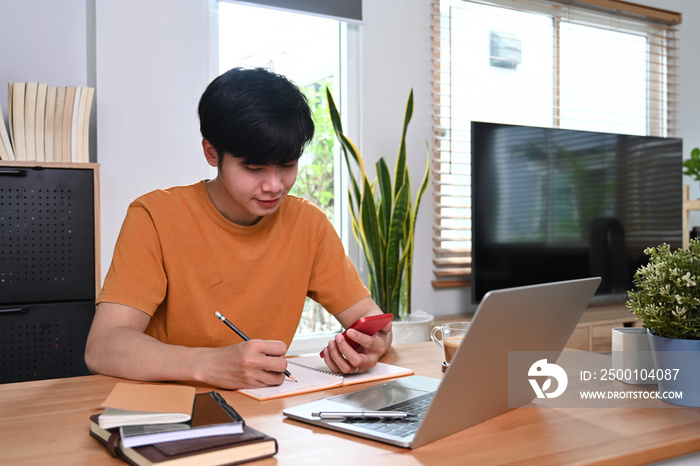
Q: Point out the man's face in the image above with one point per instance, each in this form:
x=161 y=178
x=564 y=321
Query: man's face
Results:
x=245 y=193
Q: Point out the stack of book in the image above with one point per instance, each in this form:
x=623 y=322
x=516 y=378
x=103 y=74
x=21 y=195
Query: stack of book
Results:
x=46 y=123
x=146 y=424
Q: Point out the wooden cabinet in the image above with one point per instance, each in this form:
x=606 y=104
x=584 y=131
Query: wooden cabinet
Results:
x=580 y=338
x=594 y=330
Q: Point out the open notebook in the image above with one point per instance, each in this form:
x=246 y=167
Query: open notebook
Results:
x=313 y=375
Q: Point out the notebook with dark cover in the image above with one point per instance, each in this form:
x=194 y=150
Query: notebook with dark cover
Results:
x=205 y=451
x=248 y=445
x=211 y=416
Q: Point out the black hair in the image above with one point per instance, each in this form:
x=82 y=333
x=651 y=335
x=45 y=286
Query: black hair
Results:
x=256 y=115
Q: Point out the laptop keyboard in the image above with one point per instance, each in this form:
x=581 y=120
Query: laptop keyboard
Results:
x=399 y=427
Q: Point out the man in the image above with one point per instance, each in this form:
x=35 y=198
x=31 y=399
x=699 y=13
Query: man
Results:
x=236 y=244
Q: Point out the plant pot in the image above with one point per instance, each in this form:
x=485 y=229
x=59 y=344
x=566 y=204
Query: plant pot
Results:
x=631 y=354
x=415 y=328
x=677 y=363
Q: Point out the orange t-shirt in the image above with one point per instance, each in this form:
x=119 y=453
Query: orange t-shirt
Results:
x=179 y=260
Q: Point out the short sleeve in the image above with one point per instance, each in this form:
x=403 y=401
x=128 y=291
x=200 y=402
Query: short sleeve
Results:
x=334 y=282
x=136 y=276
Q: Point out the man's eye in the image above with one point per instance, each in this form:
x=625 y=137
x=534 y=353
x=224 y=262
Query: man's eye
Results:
x=252 y=168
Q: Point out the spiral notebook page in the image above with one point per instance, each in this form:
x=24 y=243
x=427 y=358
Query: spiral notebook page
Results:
x=308 y=380
x=313 y=375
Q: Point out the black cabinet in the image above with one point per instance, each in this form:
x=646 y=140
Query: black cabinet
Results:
x=43 y=341
x=48 y=269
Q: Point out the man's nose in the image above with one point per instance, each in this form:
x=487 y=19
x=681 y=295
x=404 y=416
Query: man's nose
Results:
x=273 y=180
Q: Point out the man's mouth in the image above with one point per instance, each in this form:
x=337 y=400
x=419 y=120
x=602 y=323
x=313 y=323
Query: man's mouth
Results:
x=268 y=202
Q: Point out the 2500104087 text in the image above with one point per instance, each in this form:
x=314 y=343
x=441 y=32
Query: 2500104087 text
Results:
x=652 y=375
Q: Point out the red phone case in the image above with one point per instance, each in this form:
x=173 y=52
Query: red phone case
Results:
x=367 y=325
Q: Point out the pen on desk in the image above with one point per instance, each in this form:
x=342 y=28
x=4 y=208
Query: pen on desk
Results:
x=243 y=335
x=361 y=414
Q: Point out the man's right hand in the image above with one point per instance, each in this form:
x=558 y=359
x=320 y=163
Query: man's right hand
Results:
x=118 y=346
x=250 y=364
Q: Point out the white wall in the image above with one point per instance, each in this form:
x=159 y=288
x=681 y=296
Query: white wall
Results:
x=150 y=62
x=152 y=66
x=43 y=41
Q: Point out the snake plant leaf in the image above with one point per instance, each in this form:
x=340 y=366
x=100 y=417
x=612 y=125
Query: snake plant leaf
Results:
x=346 y=144
x=423 y=187
x=347 y=147
x=333 y=111
x=399 y=173
x=361 y=239
x=369 y=228
x=407 y=183
x=385 y=194
x=400 y=285
x=354 y=188
x=426 y=179
x=353 y=217
x=396 y=237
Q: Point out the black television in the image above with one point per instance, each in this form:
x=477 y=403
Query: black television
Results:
x=552 y=204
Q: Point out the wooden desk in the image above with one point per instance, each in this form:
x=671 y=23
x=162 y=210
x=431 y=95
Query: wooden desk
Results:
x=594 y=330
x=46 y=422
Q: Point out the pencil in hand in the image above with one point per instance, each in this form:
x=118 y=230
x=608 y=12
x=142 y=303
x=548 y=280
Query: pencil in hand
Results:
x=244 y=336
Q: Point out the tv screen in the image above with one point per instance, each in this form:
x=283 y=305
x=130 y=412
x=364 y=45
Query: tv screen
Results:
x=552 y=204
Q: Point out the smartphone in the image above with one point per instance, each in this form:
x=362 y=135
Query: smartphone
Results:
x=368 y=325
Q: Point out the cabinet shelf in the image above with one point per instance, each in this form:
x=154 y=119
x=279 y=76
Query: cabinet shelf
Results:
x=94 y=168
x=49 y=267
x=688 y=206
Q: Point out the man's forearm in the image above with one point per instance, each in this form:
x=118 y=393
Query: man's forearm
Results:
x=126 y=353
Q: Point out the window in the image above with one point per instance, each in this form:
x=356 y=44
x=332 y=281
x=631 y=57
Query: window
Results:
x=596 y=65
x=306 y=49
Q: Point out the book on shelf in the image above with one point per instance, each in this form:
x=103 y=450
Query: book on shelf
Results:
x=6 y=152
x=67 y=130
x=58 y=124
x=15 y=113
x=140 y=403
x=83 y=125
x=75 y=124
x=211 y=415
x=249 y=445
x=312 y=374
x=30 y=94
x=48 y=123
x=39 y=121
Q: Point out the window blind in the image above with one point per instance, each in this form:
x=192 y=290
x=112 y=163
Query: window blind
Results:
x=595 y=65
x=343 y=10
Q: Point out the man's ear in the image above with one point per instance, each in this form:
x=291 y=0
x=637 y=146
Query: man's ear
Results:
x=210 y=153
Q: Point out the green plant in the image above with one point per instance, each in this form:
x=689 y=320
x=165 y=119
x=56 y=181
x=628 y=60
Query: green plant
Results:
x=383 y=218
x=315 y=182
x=315 y=178
x=692 y=165
x=667 y=294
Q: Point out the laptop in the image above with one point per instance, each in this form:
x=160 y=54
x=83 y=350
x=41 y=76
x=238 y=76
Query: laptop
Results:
x=475 y=387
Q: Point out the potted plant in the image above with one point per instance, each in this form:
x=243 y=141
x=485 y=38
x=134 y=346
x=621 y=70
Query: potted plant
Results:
x=384 y=221
x=692 y=165
x=667 y=300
